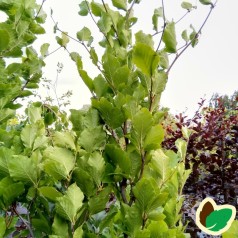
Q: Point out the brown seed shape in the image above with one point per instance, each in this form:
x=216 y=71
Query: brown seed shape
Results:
x=206 y=210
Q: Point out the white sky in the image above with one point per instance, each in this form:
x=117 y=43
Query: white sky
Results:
x=208 y=68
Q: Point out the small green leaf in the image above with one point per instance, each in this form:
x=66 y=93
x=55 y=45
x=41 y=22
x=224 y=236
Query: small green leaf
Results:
x=144 y=38
x=218 y=219
x=23 y=169
x=182 y=148
x=60 y=227
x=4 y=39
x=141 y=125
x=50 y=193
x=83 y=8
x=185 y=35
x=154 y=138
x=77 y=59
x=206 y=2
x=68 y=205
x=104 y=23
x=90 y=143
x=64 y=139
x=93 y=56
x=145 y=58
x=2 y=225
x=87 y=80
x=120 y=4
x=84 y=34
x=187 y=5
x=158 y=12
x=97 y=9
x=169 y=38
x=44 y=49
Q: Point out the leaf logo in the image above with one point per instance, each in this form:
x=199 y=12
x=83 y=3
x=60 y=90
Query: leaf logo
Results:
x=214 y=219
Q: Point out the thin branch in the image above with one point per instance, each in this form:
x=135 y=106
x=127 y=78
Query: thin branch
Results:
x=176 y=22
x=142 y=165
x=53 y=51
x=113 y=25
x=26 y=223
x=164 y=26
x=43 y=1
x=89 y=10
x=129 y=10
x=194 y=38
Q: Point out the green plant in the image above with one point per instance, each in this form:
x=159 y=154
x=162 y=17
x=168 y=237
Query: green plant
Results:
x=101 y=172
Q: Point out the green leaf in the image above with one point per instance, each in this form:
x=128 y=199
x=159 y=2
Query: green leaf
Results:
x=162 y=164
x=28 y=135
x=187 y=5
x=83 y=8
x=185 y=35
x=108 y=112
x=120 y=77
x=169 y=38
x=206 y=2
x=141 y=125
x=158 y=12
x=93 y=56
x=5 y=156
x=144 y=58
x=84 y=34
x=154 y=138
x=77 y=59
x=2 y=223
x=148 y=195
x=117 y=156
x=99 y=201
x=97 y=9
x=146 y=39
x=90 y=143
x=182 y=148
x=78 y=232
x=44 y=49
x=50 y=193
x=100 y=86
x=87 y=80
x=23 y=169
x=120 y=4
x=60 y=227
x=193 y=37
x=55 y=157
x=218 y=219
x=104 y=23
x=64 y=139
x=4 y=40
x=68 y=205
x=233 y=230
x=110 y=65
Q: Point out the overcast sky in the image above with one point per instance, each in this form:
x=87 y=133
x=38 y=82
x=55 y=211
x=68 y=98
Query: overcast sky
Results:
x=208 y=68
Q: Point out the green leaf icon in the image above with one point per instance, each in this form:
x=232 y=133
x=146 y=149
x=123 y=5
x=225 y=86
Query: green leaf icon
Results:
x=218 y=219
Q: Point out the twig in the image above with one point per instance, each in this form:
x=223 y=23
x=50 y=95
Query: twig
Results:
x=89 y=10
x=43 y=1
x=26 y=223
x=53 y=51
x=113 y=25
x=164 y=26
x=194 y=38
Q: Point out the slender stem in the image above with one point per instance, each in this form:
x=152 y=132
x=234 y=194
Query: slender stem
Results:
x=142 y=165
x=113 y=25
x=89 y=10
x=194 y=38
x=164 y=26
x=43 y=1
x=26 y=223
x=53 y=51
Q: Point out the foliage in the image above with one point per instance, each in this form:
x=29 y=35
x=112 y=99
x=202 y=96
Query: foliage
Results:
x=212 y=150
x=102 y=172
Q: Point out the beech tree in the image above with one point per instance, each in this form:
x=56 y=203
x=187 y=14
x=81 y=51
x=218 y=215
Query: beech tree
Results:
x=100 y=172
